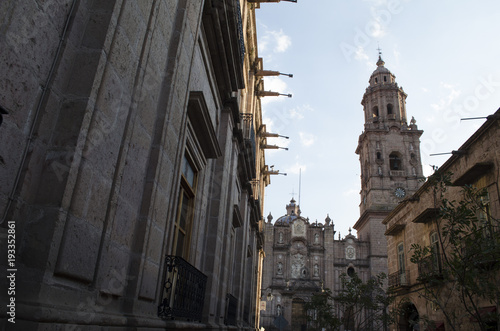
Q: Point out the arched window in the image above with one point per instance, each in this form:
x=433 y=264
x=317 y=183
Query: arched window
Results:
x=395 y=161
x=379 y=156
x=375 y=111
x=390 y=109
x=350 y=271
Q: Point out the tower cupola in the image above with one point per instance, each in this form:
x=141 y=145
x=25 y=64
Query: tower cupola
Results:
x=381 y=75
x=384 y=102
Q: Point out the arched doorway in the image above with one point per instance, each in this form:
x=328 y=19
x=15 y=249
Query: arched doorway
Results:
x=409 y=318
x=299 y=319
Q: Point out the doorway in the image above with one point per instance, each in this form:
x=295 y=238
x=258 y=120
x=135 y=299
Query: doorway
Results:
x=409 y=319
x=299 y=320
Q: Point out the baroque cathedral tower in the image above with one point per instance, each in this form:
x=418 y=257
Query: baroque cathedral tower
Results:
x=304 y=257
x=389 y=155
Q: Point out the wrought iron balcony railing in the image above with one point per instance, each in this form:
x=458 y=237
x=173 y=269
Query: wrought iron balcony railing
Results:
x=399 y=279
x=183 y=290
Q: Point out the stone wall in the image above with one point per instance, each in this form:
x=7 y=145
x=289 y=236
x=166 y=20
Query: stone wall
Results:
x=105 y=98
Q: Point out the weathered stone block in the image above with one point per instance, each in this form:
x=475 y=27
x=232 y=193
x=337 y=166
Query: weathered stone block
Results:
x=149 y=281
x=79 y=249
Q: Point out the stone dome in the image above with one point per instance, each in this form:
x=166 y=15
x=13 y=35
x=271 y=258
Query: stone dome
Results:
x=381 y=75
x=292 y=212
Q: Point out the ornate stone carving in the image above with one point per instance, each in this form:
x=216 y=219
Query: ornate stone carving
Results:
x=350 y=253
x=298 y=264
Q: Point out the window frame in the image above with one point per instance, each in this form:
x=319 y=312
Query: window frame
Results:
x=187 y=191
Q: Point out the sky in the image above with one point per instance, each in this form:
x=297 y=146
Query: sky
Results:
x=444 y=53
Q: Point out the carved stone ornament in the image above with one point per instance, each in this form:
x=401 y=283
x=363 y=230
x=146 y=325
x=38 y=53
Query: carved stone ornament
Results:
x=350 y=253
x=298 y=229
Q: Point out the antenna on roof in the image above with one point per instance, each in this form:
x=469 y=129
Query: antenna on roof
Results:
x=300 y=179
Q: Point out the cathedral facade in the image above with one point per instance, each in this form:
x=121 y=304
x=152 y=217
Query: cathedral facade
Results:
x=303 y=257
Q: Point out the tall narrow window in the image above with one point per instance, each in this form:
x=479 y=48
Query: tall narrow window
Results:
x=483 y=212
x=401 y=263
x=182 y=224
x=434 y=239
x=375 y=111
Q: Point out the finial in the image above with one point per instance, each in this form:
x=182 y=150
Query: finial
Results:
x=269 y=218
x=327 y=219
x=349 y=230
x=380 y=62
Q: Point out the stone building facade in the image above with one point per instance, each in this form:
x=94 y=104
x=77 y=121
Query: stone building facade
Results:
x=131 y=166
x=417 y=220
x=303 y=258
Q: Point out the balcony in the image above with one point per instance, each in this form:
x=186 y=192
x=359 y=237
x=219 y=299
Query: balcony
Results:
x=249 y=147
x=399 y=279
x=429 y=268
x=183 y=290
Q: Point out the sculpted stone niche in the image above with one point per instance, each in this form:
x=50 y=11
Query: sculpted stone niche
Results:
x=298 y=266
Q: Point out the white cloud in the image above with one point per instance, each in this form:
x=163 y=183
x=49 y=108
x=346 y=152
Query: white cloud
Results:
x=361 y=56
x=448 y=99
x=376 y=29
x=274 y=42
x=307 y=139
x=298 y=112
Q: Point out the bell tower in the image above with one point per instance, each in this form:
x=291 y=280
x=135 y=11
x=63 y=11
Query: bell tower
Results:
x=389 y=155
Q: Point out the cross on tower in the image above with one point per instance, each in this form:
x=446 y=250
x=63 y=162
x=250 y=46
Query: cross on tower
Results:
x=379 y=50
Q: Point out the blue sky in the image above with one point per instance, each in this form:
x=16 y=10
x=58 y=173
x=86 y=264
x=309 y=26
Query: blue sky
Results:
x=445 y=54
